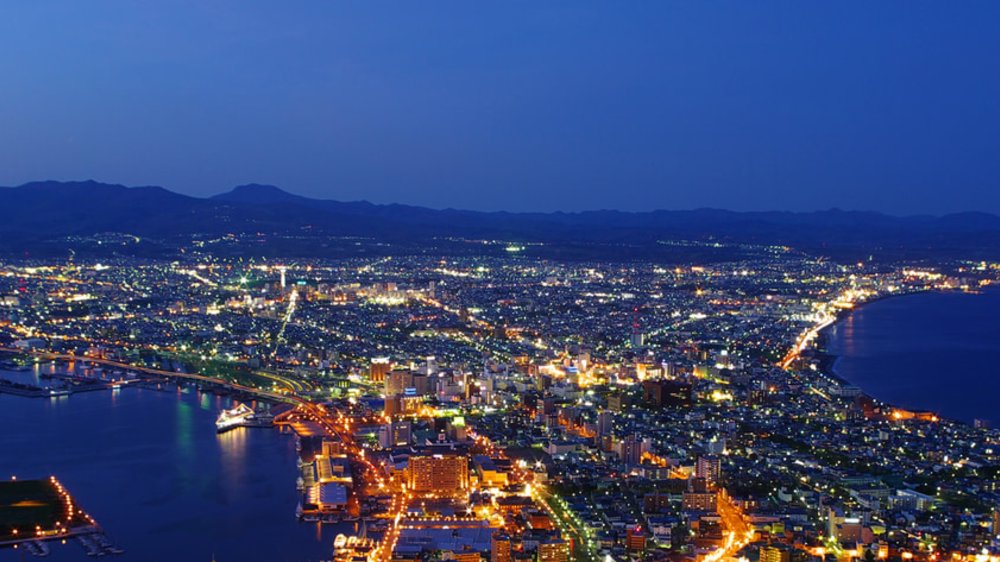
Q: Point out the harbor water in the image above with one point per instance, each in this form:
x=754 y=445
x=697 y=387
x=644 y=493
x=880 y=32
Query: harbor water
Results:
x=150 y=468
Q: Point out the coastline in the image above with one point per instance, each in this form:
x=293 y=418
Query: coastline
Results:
x=244 y=478
x=827 y=362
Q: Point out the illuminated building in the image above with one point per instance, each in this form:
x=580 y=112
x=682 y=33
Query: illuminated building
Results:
x=397 y=381
x=393 y=405
x=617 y=402
x=710 y=468
x=700 y=496
x=659 y=393
x=540 y=520
x=630 y=452
x=771 y=553
x=489 y=474
x=468 y=556
x=604 y=423
x=635 y=539
x=395 y=434
x=500 y=548
x=553 y=550
x=379 y=369
x=438 y=474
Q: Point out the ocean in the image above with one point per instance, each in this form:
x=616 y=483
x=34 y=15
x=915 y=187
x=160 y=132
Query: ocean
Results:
x=937 y=351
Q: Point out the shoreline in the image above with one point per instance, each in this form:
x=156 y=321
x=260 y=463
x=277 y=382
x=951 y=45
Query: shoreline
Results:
x=827 y=361
x=273 y=449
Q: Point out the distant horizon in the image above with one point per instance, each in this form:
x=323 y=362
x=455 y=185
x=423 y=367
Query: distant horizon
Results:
x=888 y=106
x=517 y=212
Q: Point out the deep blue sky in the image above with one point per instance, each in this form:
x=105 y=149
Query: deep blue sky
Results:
x=891 y=106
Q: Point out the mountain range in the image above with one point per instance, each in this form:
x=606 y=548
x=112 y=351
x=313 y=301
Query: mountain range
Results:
x=51 y=218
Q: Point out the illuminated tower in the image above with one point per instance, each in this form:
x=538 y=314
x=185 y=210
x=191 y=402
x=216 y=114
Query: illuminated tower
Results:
x=637 y=339
x=283 y=269
x=379 y=369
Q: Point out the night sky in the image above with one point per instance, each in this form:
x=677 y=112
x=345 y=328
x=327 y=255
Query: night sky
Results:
x=890 y=106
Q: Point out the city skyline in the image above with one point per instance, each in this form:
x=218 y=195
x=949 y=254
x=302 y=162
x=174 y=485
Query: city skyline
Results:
x=564 y=281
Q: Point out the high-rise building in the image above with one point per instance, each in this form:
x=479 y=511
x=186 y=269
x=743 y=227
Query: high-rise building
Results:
x=631 y=450
x=430 y=365
x=665 y=392
x=604 y=423
x=438 y=474
x=709 y=467
x=421 y=385
x=700 y=496
x=397 y=381
x=500 y=548
x=700 y=501
x=617 y=402
x=553 y=550
x=638 y=339
x=395 y=434
x=379 y=369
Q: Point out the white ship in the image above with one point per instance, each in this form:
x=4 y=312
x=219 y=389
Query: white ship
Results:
x=235 y=417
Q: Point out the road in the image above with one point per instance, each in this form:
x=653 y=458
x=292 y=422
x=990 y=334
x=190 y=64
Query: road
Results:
x=583 y=546
x=736 y=528
x=339 y=426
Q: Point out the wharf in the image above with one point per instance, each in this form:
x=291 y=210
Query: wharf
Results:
x=32 y=391
x=34 y=513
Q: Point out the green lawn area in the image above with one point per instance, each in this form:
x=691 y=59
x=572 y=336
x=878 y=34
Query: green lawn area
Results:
x=25 y=504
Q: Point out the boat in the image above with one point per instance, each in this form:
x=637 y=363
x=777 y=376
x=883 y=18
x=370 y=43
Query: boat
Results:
x=89 y=545
x=259 y=419
x=233 y=418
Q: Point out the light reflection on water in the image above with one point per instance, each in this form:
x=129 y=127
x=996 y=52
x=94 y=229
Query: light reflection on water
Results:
x=929 y=351
x=150 y=467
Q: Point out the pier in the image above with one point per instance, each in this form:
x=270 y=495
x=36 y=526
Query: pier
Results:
x=37 y=513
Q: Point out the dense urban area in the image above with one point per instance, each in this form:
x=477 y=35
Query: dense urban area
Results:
x=511 y=408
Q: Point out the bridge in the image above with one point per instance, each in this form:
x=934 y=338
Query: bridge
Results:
x=52 y=356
